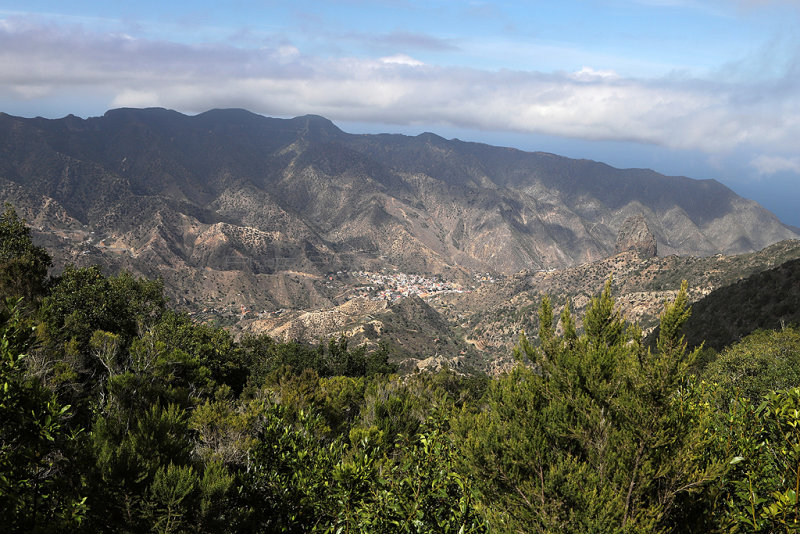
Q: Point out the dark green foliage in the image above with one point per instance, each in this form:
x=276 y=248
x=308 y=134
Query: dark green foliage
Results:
x=212 y=348
x=37 y=491
x=265 y=355
x=130 y=449
x=285 y=489
x=142 y=443
x=145 y=475
x=342 y=361
x=590 y=438
x=762 y=362
x=23 y=266
x=83 y=301
x=765 y=300
x=334 y=359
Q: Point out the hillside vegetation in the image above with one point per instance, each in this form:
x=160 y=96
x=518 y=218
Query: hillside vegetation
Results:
x=119 y=414
x=765 y=300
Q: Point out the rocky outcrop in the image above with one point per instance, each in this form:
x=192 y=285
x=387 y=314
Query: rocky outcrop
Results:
x=634 y=234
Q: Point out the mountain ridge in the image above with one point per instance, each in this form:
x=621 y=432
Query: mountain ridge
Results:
x=231 y=194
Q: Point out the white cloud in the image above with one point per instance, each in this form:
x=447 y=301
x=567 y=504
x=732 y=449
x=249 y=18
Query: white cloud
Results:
x=287 y=52
x=40 y=62
x=589 y=74
x=401 y=59
x=766 y=165
x=136 y=99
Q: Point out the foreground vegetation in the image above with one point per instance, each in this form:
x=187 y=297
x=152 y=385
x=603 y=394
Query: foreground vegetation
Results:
x=118 y=414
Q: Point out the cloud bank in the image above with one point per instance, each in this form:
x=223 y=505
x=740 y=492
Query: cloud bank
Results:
x=40 y=61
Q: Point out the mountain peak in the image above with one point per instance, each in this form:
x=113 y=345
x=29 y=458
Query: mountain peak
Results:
x=129 y=113
x=228 y=115
x=317 y=127
x=431 y=137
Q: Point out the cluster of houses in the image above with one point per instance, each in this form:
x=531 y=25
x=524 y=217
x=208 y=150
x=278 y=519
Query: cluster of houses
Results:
x=394 y=286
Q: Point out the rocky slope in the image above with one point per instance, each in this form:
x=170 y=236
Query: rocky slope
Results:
x=234 y=209
x=496 y=314
x=479 y=328
x=417 y=336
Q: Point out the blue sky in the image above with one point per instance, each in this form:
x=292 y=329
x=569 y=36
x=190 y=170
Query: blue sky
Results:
x=705 y=89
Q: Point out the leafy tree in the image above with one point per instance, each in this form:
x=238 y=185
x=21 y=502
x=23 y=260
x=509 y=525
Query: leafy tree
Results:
x=265 y=356
x=390 y=413
x=591 y=436
x=339 y=399
x=23 y=266
x=146 y=476
x=418 y=491
x=769 y=478
x=211 y=348
x=756 y=453
x=37 y=492
x=334 y=359
x=602 y=322
x=82 y=301
x=286 y=488
x=342 y=361
x=130 y=448
x=143 y=433
x=226 y=429
x=171 y=488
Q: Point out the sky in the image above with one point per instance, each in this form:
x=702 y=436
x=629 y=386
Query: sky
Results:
x=705 y=89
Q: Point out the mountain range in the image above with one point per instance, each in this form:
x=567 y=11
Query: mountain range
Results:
x=229 y=206
x=229 y=190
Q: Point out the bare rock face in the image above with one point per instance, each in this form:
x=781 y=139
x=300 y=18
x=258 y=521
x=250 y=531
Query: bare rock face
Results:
x=634 y=234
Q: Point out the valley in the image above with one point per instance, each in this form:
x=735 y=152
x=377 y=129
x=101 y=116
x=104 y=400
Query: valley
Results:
x=429 y=321
x=440 y=248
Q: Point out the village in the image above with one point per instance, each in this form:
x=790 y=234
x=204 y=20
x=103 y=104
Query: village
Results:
x=396 y=285
x=375 y=286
